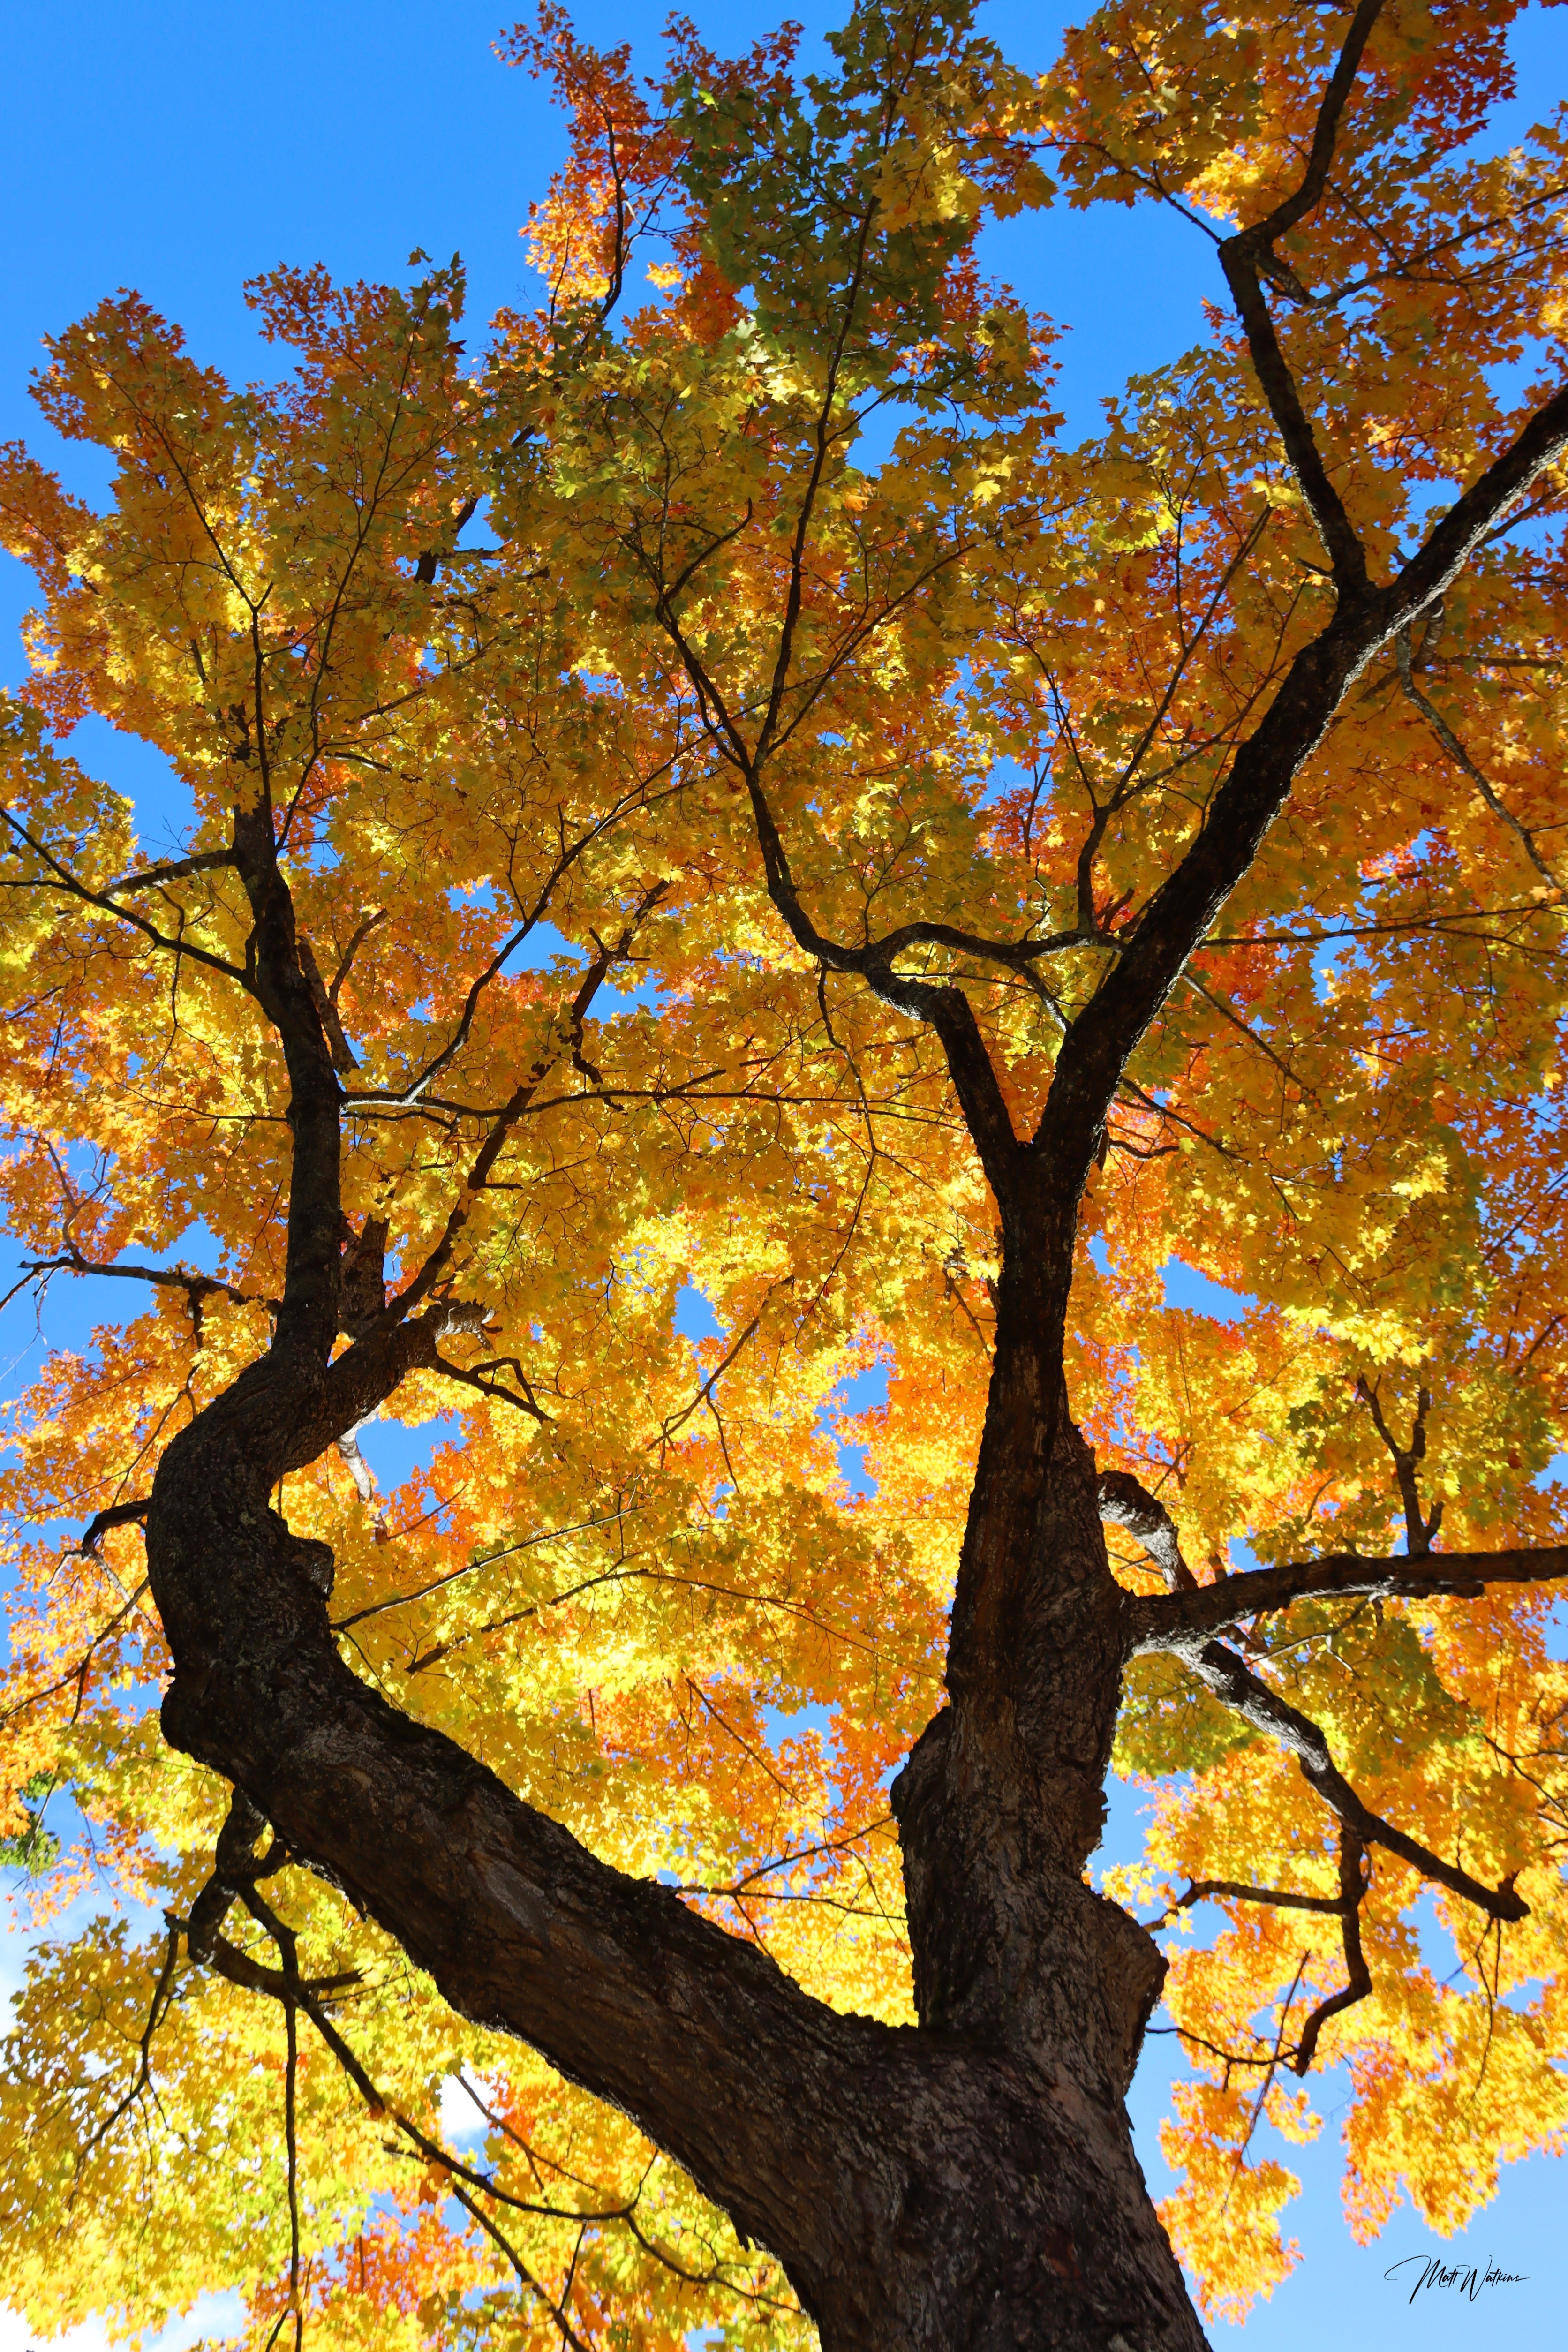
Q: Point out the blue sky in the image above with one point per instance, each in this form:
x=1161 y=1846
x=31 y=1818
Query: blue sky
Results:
x=181 y=149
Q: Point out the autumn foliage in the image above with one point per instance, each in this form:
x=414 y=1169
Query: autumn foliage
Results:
x=757 y=541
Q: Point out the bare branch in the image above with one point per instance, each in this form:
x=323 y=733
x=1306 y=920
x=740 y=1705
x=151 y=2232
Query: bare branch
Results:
x=491 y=1560
x=148 y=878
x=1209 y=1890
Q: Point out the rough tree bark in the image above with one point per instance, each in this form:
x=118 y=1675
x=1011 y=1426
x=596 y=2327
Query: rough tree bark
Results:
x=971 y=2183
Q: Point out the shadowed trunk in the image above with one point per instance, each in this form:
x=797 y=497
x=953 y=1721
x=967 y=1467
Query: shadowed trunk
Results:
x=972 y=2184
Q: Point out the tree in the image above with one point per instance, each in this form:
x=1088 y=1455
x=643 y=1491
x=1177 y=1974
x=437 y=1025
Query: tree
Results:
x=1016 y=865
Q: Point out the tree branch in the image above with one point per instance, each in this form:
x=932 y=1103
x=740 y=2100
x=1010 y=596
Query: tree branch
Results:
x=345 y=962
x=344 y=1058
x=1207 y=1890
x=1248 y=257
x=167 y=1277
x=1098 y=1044
x=307 y=1323
x=1164 y=1621
x=163 y=1996
x=60 y=878
x=363 y=1477
x=147 y=878
x=1468 y=523
x=1124 y=1503
x=1223 y=1672
x=1419 y=1531
x=1352 y=1887
x=420 y=1283
x=945 y=1007
x=471 y=1568
x=1461 y=758
x=235 y=1865
x=119 y=1515
x=473 y=1377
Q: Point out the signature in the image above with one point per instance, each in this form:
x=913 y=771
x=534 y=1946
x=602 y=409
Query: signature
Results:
x=1470 y=2278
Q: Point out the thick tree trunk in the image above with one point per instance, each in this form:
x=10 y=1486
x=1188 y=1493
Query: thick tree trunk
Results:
x=999 y=1808
x=1002 y=1801
x=970 y=2184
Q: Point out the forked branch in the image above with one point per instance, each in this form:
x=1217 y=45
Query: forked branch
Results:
x=1250 y=256
x=59 y=877
x=1353 y=1882
x=234 y=1879
x=1345 y=1907
x=1223 y=1672
x=424 y=1280
x=1419 y=1531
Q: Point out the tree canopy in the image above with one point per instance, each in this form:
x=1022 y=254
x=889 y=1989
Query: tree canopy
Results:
x=706 y=792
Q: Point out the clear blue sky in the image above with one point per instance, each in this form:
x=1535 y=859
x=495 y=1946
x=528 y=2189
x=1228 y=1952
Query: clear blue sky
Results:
x=181 y=149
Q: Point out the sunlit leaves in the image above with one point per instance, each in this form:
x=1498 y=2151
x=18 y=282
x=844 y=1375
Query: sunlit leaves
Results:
x=509 y=639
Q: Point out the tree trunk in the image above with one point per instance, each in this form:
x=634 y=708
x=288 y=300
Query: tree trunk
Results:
x=999 y=1808
x=969 y=2184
